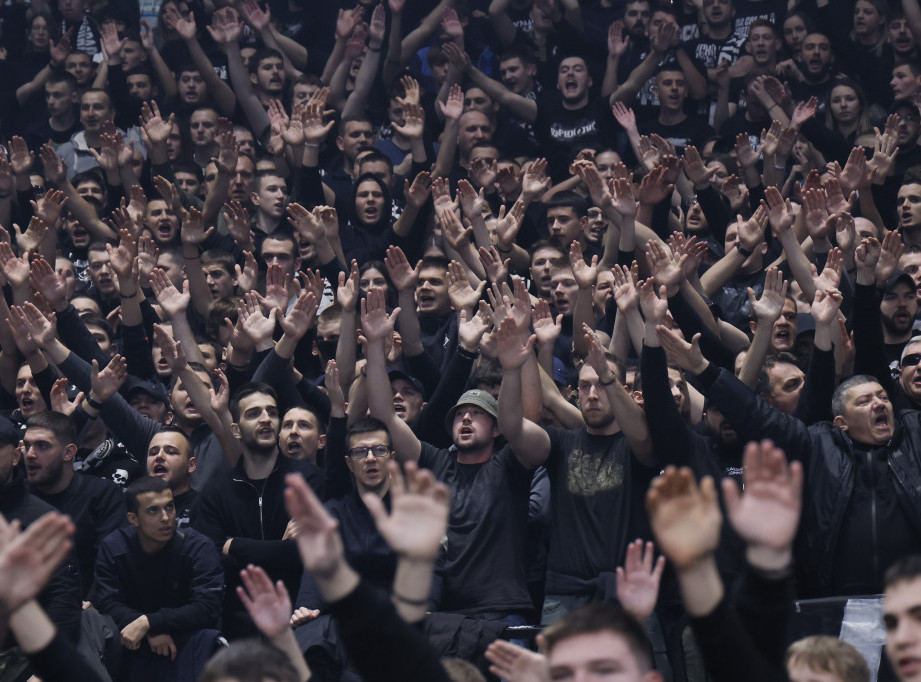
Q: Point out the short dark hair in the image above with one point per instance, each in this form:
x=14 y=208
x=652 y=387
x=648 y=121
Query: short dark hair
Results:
x=249 y=660
x=261 y=54
x=57 y=77
x=523 y=53
x=569 y=199
x=190 y=168
x=906 y=568
x=172 y=428
x=488 y=372
x=145 y=484
x=761 y=22
x=839 y=397
x=61 y=425
x=371 y=155
x=434 y=262
x=600 y=617
x=367 y=425
x=763 y=387
x=248 y=389
x=91 y=318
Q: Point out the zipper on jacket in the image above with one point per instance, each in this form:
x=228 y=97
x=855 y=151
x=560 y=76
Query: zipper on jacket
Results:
x=873 y=537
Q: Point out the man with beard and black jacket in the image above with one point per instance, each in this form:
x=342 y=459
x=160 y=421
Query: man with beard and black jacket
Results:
x=862 y=503
x=61 y=598
x=242 y=510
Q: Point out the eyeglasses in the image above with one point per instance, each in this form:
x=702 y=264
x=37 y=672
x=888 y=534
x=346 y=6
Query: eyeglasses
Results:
x=911 y=360
x=379 y=451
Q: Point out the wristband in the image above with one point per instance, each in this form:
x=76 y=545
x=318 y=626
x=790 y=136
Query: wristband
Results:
x=745 y=252
x=466 y=354
x=95 y=404
x=131 y=295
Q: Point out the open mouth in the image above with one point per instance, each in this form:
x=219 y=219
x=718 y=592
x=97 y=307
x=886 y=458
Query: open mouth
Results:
x=294 y=446
x=160 y=469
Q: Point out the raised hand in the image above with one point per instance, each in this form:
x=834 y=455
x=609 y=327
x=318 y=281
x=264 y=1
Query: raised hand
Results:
x=402 y=274
x=171 y=350
x=255 y=324
x=31 y=239
x=804 y=111
x=268 y=605
x=768 y=307
x=300 y=317
x=172 y=301
x=318 y=539
x=418 y=515
x=59 y=400
x=471 y=328
x=507 y=225
x=21 y=158
x=510 y=351
x=48 y=209
x=16 y=270
x=106 y=382
x=454 y=106
x=685 y=518
x=462 y=294
x=654 y=304
x=376 y=324
x=698 y=172
x=546 y=329
x=43 y=278
x=625 y=288
x=890 y=253
x=28 y=558
x=825 y=306
x=665 y=268
x=766 y=516
x=638 y=580
x=516 y=664
x=686 y=355
x=495 y=267
x=417 y=193
x=193 y=230
x=585 y=273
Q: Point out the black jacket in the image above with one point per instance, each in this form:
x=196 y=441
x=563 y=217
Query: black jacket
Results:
x=252 y=513
x=62 y=596
x=179 y=588
x=828 y=457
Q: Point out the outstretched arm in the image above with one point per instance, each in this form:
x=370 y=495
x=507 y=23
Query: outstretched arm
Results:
x=377 y=326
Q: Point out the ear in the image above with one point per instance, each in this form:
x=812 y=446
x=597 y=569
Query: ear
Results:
x=235 y=430
x=70 y=452
x=638 y=398
x=133 y=519
x=321 y=441
x=753 y=325
x=254 y=198
x=531 y=70
x=193 y=464
x=840 y=422
x=339 y=143
x=253 y=79
x=655 y=89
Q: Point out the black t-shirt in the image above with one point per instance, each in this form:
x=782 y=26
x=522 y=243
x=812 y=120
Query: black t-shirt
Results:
x=691 y=131
x=563 y=133
x=711 y=51
x=748 y=11
x=598 y=490
x=483 y=564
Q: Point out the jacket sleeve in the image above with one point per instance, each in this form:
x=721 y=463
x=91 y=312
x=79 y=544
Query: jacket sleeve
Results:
x=130 y=427
x=206 y=585
x=108 y=594
x=60 y=662
x=77 y=337
x=751 y=417
x=690 y=323
x=818 y=387
x=382 y=645
x=670 y=434
x=431 y=426
x=868 y=337
x=110 y=512
x=137 y=352
x=338 y=477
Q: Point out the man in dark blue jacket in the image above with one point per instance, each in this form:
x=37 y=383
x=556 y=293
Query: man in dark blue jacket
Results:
x=162 y=587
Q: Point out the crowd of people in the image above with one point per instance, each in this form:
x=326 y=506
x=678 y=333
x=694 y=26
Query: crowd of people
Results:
x=434 y=340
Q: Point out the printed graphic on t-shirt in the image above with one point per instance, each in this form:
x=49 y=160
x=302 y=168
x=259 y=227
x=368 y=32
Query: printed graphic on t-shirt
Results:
x=590 y=474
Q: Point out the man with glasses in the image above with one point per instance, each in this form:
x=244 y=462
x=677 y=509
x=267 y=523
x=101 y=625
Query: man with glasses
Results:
x=242 y=510
x=362 y=455
x=483 y=564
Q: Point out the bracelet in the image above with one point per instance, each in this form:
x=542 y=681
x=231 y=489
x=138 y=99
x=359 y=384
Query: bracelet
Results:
x=608 y=383
x=745 y=252
x=95 y=404
x=411 y=602
x=777 y=165
x=131 y=295
x=466 y=354
x=312 y=145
